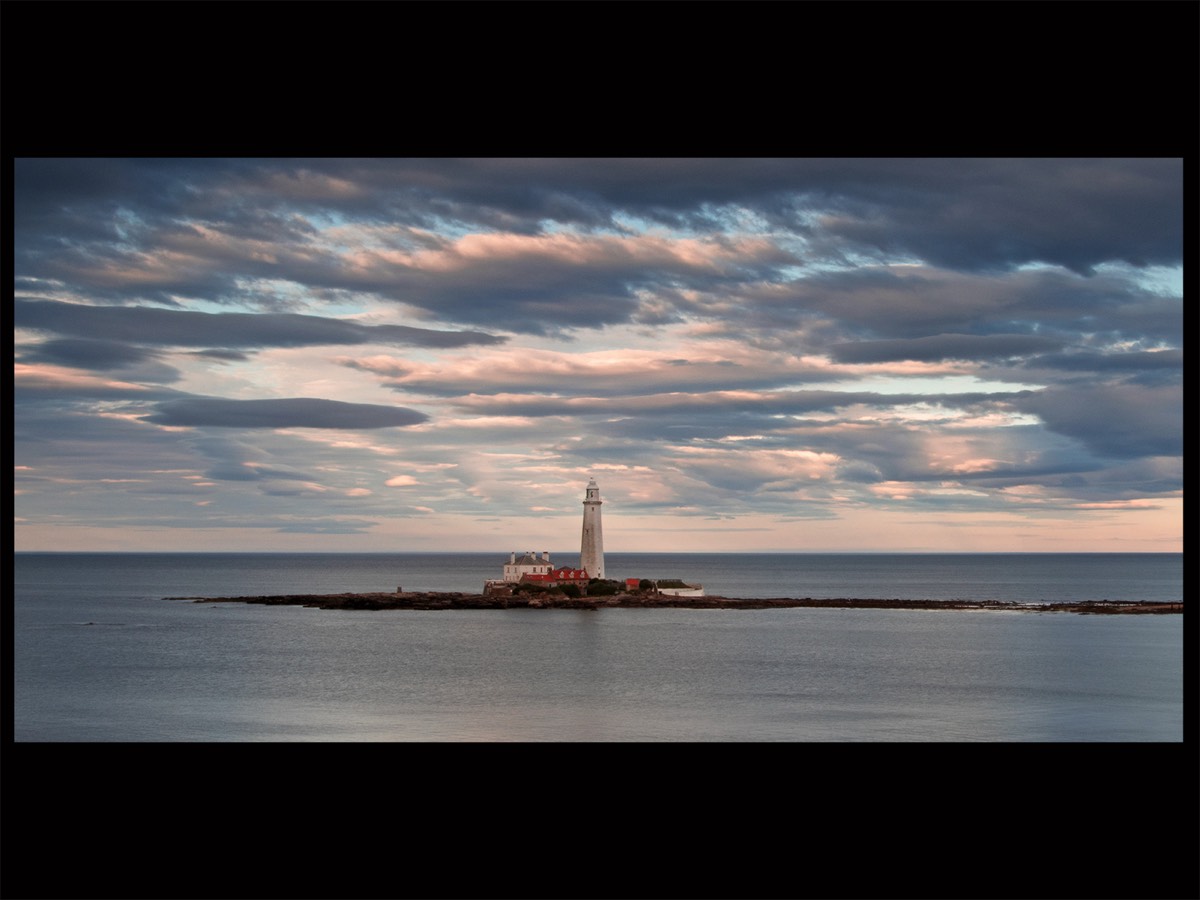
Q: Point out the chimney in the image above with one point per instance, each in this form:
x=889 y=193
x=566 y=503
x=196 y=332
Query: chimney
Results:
x=546 y=555
x=512 y=557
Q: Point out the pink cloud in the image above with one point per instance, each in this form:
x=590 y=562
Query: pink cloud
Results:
x=59 y=377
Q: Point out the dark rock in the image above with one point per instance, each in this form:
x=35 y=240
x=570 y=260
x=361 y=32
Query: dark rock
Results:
x=452 y=600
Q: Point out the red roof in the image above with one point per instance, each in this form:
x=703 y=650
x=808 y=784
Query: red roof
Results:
x=562 y=573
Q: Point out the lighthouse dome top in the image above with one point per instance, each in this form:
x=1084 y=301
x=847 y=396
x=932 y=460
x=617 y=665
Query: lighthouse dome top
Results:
x=592 y=495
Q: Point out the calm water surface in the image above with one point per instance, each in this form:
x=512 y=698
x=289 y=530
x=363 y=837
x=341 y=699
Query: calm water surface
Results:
x=99 y=655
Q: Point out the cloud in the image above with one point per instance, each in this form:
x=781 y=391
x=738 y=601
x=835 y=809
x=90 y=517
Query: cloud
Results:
x=984 y=215
x=1122 y=421
x=967 y=214
x=300 y=412
x=918 y=302
x=767 y=403
x=67 y=384
x=89 y=354
x=338 y=526
x=222 y=355
x=1168 y=361
x=598 y=373
x=144 y=325
x=935 y=348
x=782 y=342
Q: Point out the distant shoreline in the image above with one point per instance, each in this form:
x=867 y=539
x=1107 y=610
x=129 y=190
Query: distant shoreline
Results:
x=449 y=600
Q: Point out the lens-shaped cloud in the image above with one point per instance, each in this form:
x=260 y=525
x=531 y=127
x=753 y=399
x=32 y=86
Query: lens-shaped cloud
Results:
x=299 y=412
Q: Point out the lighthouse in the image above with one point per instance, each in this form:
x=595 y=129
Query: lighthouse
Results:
x=591 y=551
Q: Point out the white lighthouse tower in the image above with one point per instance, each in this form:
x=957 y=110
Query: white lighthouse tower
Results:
x=591 y=551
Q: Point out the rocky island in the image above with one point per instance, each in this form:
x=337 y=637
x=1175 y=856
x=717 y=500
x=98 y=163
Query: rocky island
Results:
x=650 y=600
x=531 y=581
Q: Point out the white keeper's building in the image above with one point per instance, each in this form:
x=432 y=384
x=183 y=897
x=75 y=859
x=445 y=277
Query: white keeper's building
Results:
x=529 y=563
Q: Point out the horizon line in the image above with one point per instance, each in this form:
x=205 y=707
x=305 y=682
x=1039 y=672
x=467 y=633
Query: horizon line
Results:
x=575 y=552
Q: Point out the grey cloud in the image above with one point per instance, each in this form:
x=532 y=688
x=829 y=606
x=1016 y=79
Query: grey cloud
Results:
x=969 y=215
x=525 y=300
x=312 y=524
x=301 y=412
x=1114 y=420
x=672 y=376
x=88 y=354
x=659 y=405
x=222 y=355
x=962 y=213
x=989 y=214
x=676 y=428
x=240 y=460
x=859 y=471
x=944 y=346
x=867 y=453
x=71 y=441
x=915 y=303
x=1084 y=480
x=540 y=290
x=38 y=388
x=180 y=328
x=1137 y=361
x=233 y=470
x=127 y=231
x=132 y=364
x=272 y=488
x=335 y=526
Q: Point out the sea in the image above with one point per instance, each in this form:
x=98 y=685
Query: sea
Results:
x=111 y=647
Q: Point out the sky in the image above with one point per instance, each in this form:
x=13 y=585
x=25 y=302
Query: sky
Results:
x=801 y=355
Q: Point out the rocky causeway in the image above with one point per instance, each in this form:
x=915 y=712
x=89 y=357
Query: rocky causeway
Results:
x=648 y=600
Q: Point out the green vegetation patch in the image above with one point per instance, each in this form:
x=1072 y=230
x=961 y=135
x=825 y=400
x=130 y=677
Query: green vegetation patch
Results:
x=603 y=587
